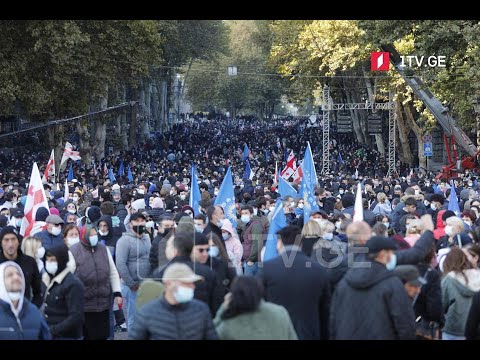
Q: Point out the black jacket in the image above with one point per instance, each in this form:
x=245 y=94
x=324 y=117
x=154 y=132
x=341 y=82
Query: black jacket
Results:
x=370 y=303
x=205 y=290
x=225 y=275
x=472 y=328
x=33 y=281
x=303 y=289
x=429 y=301
x=159 y=244
x=160 y=320
x=213 y=228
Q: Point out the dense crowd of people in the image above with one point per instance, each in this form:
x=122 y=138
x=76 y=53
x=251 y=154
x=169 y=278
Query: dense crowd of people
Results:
x=133 y=255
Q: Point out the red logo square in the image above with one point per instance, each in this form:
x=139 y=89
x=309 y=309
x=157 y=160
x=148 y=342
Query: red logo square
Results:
x=380 y=61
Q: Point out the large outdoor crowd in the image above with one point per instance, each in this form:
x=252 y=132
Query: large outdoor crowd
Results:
x=133 y=255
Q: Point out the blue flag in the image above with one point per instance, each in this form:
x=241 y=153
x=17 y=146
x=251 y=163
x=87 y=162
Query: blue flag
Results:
x=152 y=168
x=129 y=174
x=226 y=198
x=121 y=169
x=267 y=156
x=285 y=189
x=70 y=176
x=278 y=222
x=309 y=180
x=246 y=152
x=195 y=196
x=111 y=176
x=248 y=174
x=453 y=201
x=339 y=159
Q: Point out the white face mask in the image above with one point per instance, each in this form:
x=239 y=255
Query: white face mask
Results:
x=213 y=251
x=56 y=231
x=198 y=228
x=301 y=206
x=103 y=233
x=338 y=225
x=40 y=253
x=255 y=212
x=292 y=204
x=449 y=230
x=433 y=206
x=215 y=192
x=468 y=222
x=225 y=236
x=51 y=267
x=150 y=224
x=220 y=223
x=72 y=240
x=182 y=197
x=328 y=236
x=75 y=199
x=245 y=218
x=387 y=224
x=183 y=294
x=14 y=296
x=93 y=240
x=18 y=222
x=141 y=191
x=71 y=211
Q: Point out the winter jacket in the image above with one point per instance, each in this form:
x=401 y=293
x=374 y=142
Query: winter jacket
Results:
x=302 y=288
x=159 y=320
x=472 y=328
x=234 y=247
x=457 y=297
x=157 y=251
x=252 y=241
x=33 y=280
x=224 y=273
x=370 y=303
x=429 y=301
x=459 y=240
x=48 y=240
x=132 y=258
x=24 y=322
x=383 y=208
x=268 y=322
x=440 y=226
x=115 y=231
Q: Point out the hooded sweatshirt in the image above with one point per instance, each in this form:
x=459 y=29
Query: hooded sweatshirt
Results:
x=233 y=246
x=440 y=228
x=25 y=322
x=457 y=295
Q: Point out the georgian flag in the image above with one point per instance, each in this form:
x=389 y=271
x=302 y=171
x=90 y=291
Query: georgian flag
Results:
x=69 y=153
x=290 y=168
x=50 y=169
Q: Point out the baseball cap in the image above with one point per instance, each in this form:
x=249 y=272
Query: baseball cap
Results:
x=409 y=274
x=180 y=272
x=54 y=219
x=378 y=243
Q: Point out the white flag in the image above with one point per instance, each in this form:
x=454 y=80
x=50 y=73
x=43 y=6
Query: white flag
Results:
x=50 y=169
x=66 y=192
x=358 y=210
x=35 y=199
x=69 y=153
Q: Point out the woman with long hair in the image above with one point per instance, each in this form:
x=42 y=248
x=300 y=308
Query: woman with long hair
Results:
x=459 y=285
x=244 y=315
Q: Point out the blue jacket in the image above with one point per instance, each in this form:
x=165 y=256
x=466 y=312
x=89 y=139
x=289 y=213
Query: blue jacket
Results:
x=48 y=240
x=33 y=325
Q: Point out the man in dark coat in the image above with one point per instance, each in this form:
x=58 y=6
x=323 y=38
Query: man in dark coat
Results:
x=52 y=236
x=10 y=251
x=302 y=287
x=216 y=217
x=206 y=290
x=165 y=226
x=370 y=302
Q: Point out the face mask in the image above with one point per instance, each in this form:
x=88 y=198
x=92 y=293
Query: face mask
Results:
x=470 y=184
x=73 y=241
x=75 y=199
x=225 y=236
x=71 y=211
x=292 y=204
x=241 y=186
x=93 y=240
x=183 y=294
x=468 y=222
x=449 y=230
x=18 y=222
x=392 y=263
x=150 y=224
x=318 y=221
x=198 y=228
x=215 y=192
x=433 y=206
x=103 y=233
x=426 y=203
x=40 y=253
x=255 y=212
x=220 y=223
x=272 y=208
x=14 y=296
x=140 y=229
x=245 y=218
x=141 y=191
x=338 y=225
x=328 y=236
x=51 y=267
x=213 y=251
x=182 y=197
x=341 y=192
x=56 y=231
x=186 y=188
x=265 y=211
x=387 y=225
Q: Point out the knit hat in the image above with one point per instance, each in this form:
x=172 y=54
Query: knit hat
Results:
x=54 y=211
x=8 y=230
x=42 y=214
x=94 y=213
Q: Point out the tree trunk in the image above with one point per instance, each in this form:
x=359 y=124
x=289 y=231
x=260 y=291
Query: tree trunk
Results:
x=355 y=122
x=371 y=96
x=101 y=129
x=155 y=107
x=84 y=141
x=121 y=125
x=133 y=120
x=417 y=130
x=403 y=133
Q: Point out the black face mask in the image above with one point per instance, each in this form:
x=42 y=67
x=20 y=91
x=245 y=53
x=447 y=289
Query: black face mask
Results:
x=140 y=229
